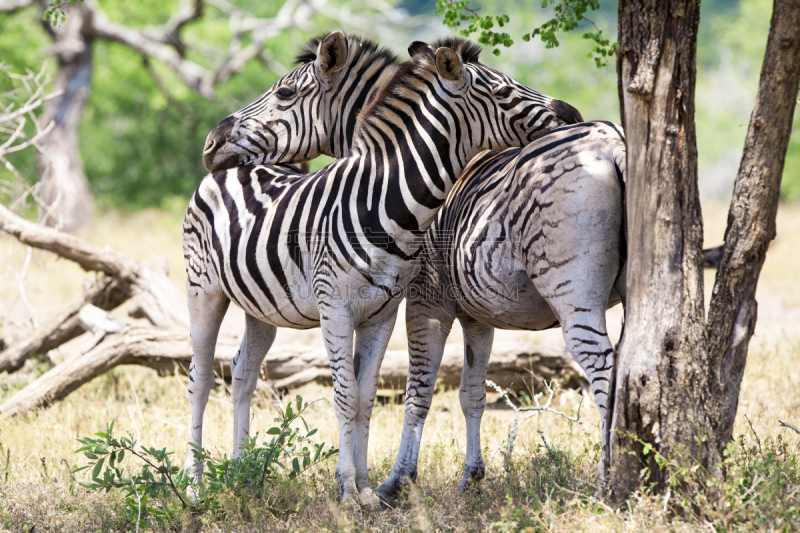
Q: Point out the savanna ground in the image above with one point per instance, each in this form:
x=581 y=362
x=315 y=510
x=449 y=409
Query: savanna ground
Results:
x=545 y=490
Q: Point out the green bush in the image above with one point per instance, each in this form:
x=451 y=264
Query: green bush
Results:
x=155 y=488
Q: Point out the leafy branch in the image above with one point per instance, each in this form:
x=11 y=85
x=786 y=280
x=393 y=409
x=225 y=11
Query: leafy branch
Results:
x=55 y=12
x=457 y=12
x=568 y=14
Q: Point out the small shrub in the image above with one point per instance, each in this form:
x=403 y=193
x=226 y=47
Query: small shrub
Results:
x=156 y=488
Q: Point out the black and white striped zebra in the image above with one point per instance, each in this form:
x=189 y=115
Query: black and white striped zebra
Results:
x=487 y=165
x=310 y=111
x=336 y=248
x=529 y=238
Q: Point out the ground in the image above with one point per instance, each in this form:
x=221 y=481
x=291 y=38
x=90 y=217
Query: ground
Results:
x=543 y=491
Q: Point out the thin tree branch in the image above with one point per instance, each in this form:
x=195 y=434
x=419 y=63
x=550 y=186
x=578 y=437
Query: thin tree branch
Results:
x=11 y=7
x=788 y=425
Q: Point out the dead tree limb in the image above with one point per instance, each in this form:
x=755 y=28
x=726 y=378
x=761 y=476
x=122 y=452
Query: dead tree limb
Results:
x=517 y=366
x=105 y=293
x=150 y=293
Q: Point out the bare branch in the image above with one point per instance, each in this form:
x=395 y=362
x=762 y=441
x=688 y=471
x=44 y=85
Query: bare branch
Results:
x=788 y=425
x=10 y=7
x=192 y=74
x=28 y=107
x=535 y=409
x=88 y=256
x=294 y=13
x=170 y=32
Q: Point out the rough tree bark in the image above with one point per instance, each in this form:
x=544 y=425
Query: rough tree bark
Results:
x=751 y=219
x=677 y=380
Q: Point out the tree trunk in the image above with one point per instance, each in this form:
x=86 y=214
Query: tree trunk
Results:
x=678 y=380
x=661 y=368
x=751 y=219
x=63 y=186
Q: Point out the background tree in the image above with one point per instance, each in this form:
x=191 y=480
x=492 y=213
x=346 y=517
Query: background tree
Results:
x=171 y=58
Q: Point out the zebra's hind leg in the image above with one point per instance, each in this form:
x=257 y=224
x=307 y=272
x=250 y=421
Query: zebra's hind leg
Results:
x=585 y=334
x=257 y=340
x=206 y=311
x=337 y=331
x=472 y=393
x=371 y=341
x=427 y=324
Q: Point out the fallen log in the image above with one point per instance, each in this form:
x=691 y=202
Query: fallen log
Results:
x=105 y=293
x=512 y=365
x=146 y=288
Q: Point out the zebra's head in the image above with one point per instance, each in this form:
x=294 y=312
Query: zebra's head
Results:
x=499 y=111
x=310 y=111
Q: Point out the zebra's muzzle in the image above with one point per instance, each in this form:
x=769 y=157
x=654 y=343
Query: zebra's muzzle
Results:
x=218 y=153
x=566 y=112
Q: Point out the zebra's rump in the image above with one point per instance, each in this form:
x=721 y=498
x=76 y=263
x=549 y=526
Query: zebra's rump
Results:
x=523 y=226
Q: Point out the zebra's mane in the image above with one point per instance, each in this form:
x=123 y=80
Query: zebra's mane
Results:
x=411 y=75
x=470 y=52
x=366 y=47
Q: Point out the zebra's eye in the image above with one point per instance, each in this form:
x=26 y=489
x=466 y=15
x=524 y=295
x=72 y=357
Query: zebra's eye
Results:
x=284 y=92
x=504 y=91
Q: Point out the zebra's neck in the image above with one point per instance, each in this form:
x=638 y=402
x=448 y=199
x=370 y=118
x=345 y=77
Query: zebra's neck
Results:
x=359 y=83
x=418 y=149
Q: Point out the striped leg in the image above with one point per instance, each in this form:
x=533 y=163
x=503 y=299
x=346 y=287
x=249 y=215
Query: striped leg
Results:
x=337 y=330
x=206 y=311
x=584 y=330
x=428 y=323
x=371 y=341
x=258 y=337
x=472 y=393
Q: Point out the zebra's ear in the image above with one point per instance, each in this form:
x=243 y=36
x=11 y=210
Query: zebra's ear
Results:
x=448 y=63
x=418 y=47
x=332 y=53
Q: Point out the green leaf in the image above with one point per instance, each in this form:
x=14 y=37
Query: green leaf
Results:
x=273 y=431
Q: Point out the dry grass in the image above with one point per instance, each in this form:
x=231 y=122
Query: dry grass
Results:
x=544 y=492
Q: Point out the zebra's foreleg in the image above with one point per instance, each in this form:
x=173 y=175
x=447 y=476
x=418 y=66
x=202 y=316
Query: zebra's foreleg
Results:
x=337 y=331
x=472 y=393
x=258 y=337
x=427 y=325
x=206 y=311
x=371 y=341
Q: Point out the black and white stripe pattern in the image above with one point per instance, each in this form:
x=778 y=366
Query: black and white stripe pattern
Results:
x=310 y=111
x=528 y=239
x=336 y=248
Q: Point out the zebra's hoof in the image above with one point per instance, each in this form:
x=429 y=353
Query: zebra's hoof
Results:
x=369 y=500
x=350 y=504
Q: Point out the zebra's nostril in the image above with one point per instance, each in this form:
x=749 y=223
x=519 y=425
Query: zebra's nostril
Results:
x=209 y=144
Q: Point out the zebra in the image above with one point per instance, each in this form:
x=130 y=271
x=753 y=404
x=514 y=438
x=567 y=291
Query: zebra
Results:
x=473 y=466
x=336 y=248
x=530 y=239
x=310 y=111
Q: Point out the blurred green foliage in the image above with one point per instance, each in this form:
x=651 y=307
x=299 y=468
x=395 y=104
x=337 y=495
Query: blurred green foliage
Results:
x=142 y=147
